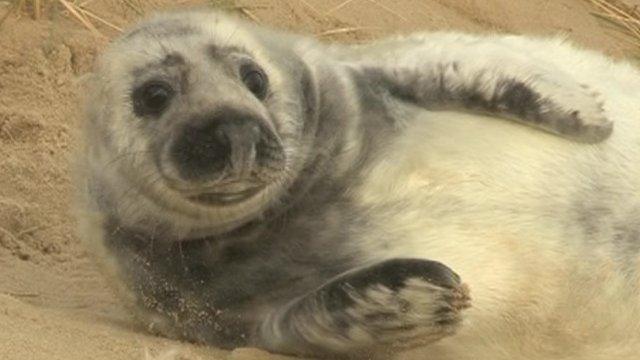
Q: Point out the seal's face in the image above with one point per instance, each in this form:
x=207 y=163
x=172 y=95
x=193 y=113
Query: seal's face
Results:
x=213 y=139
x=200 y=119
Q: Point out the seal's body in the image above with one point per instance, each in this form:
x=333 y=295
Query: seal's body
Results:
x=248 y=187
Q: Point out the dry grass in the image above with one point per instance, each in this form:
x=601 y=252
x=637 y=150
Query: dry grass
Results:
x=616 y=13
x=79 y=11
x=76 y=9
x=36 y=7
x=92 y=21
x=345 y=30
x=622 y=16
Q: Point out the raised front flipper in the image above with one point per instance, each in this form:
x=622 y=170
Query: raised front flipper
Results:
x=398 y=303
x=506 y=84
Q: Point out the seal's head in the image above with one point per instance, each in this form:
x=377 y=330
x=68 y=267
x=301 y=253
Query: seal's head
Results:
x=196 y=124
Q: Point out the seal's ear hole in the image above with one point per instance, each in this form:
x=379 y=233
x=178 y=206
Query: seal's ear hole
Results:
x=152 y=98
x=255 y=79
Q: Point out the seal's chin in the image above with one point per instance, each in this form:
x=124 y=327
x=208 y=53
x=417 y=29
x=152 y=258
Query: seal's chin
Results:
x=225 y=198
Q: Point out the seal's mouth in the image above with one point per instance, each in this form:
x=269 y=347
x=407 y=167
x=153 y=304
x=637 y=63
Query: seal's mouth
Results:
x=225 y=198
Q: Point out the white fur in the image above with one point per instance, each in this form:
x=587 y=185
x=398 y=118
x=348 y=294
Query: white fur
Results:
x=494 y=201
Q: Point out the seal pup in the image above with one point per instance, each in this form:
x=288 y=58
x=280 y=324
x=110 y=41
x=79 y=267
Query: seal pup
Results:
x=253 y=187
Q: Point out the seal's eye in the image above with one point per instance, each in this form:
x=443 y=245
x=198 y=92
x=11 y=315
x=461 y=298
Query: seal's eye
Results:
x=152 y=98
x=255 y=80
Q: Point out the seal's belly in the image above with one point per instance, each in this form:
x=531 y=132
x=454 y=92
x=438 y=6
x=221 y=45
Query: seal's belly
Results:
x=532 y=223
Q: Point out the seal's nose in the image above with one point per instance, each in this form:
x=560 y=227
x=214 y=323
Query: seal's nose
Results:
x=227 y=140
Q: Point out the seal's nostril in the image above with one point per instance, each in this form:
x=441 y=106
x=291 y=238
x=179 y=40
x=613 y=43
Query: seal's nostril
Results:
x=254 y=131
x=221 y=135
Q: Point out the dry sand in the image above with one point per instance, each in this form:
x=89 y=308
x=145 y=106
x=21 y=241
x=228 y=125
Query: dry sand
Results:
x=53 y=303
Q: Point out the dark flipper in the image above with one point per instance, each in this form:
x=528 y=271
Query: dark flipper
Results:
x=546 y=99
x=395 y=303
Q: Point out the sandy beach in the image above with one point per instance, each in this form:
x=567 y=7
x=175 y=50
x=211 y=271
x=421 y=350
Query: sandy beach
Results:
x=53 y=302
